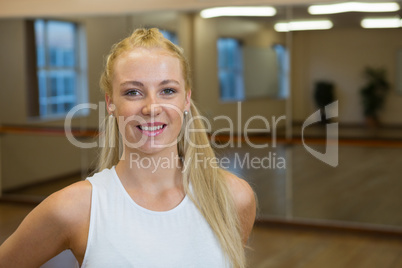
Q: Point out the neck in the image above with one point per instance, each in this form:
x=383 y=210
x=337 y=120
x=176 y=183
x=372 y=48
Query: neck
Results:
x=154 y=172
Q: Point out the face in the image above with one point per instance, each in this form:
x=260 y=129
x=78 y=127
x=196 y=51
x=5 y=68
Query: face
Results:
x=149 y=99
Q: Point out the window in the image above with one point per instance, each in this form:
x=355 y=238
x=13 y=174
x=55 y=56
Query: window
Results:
x=230 y=69
x=283 y=70
x=60 y=67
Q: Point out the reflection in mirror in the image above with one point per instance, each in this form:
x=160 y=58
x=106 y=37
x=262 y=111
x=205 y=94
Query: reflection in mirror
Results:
x=365 y=187
x=255 y=57
x=310 y=190
x=252 y=59
x=266 y=71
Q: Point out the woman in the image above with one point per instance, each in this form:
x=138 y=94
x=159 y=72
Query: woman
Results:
x=157 y=203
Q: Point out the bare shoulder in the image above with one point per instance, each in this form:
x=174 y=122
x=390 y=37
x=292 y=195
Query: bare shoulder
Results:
x=71 y=202
x=242 y=192
x=67 y=209
x=53 y=224
x=76 y=194
x=245 y=201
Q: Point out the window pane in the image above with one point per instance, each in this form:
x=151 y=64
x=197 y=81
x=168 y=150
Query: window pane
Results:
x=53 y=109
x=68 y=106
x=69 y=84
x=283 y=67
x=53 y=85
x=42 y=79
x=230 y=65
x=61 y=43
x=42 y=108
x=40 y=42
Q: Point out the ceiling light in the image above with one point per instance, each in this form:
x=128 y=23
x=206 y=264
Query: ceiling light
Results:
x=394 y=22
x=353 y=7
x=303 y=25
x=238 y=11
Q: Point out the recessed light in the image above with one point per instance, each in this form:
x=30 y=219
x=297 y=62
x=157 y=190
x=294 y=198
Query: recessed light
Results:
x=370 y=23
x=263 y=11
x=353 y=7
x=303 y=25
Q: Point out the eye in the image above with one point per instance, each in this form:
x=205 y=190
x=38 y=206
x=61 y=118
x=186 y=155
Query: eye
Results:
x=132 y=92
x=168 y=91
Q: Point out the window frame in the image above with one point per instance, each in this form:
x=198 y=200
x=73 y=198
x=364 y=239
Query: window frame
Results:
x=80 y=88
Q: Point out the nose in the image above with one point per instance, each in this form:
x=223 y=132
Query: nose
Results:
x=151 y=107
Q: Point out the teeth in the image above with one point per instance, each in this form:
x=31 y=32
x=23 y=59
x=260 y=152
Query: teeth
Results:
x=151 y=128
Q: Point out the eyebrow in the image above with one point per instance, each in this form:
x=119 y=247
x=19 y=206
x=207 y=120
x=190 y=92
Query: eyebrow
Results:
x=169 y=81
x=132 y=83
x=140 y=84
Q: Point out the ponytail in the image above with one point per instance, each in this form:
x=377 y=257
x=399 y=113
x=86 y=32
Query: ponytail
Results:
x=109 y=154
x=209 y=188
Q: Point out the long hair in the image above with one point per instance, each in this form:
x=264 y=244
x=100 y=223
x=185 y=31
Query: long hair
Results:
x=209 y=188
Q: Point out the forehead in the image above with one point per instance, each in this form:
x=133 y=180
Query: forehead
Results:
x=147 y=63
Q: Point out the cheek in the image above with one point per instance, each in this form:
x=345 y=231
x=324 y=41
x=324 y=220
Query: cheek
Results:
x=176 y=110
x=177 y=121
x=129 y=116
x=126 y=110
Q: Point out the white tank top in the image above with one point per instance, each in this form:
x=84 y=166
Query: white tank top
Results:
x=124 y=234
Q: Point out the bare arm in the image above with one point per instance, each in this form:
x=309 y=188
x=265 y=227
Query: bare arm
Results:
x=245 y=202
x=49 y=229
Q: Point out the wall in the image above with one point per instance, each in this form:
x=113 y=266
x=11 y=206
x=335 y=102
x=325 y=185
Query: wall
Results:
x=12 y=72
x=340 y=55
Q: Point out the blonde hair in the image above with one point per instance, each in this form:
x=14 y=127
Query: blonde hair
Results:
x=210 y=191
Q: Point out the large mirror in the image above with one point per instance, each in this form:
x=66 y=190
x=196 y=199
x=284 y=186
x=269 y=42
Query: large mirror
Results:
x=363 y=187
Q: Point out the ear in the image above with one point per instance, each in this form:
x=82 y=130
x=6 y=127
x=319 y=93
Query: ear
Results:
x=109 y=104
x=188 y=100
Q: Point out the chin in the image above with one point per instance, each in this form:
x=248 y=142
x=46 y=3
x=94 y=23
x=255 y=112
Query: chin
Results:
x=154 y=147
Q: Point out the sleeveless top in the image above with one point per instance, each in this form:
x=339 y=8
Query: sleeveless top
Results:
x=124 y=234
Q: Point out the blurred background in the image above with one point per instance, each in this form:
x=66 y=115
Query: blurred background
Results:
x=311 y=213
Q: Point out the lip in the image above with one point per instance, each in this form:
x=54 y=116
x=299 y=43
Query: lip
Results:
x=152 y=129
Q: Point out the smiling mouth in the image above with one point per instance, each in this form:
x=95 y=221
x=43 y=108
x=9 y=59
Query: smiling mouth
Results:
x=151 y=128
